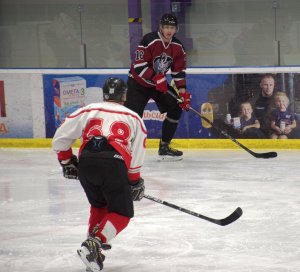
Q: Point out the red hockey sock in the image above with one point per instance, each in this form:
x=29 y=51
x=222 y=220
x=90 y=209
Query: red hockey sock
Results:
x=111 y=225
x=96 y=216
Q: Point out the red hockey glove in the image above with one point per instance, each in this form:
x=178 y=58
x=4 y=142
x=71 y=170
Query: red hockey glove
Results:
x=186 y=98
x=160 y=83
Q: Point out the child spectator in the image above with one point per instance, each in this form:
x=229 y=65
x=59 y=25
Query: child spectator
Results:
x=249 y=123
x=282 y=120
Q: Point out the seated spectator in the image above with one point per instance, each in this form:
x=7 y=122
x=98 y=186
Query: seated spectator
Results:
x=282 y=120
x=245 y=126
x=249 y=123
x=261 y=97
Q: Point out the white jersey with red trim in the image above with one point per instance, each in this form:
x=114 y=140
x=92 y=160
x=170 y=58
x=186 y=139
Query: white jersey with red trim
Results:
x=123 y=128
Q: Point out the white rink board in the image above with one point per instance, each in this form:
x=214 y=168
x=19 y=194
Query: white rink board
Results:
x=25 y=100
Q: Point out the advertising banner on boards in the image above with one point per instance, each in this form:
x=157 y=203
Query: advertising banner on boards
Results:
x=224 y=93
x=16 y=106
x=66 y=93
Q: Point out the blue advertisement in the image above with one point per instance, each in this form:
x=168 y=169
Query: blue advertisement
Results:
x=241 y=104
x=64 y=94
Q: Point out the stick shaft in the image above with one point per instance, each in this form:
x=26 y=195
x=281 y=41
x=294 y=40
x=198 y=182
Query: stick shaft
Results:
x=222 y=222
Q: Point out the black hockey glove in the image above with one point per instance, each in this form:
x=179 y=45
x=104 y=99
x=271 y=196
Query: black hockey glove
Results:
x=70 y=170
x=137 y=190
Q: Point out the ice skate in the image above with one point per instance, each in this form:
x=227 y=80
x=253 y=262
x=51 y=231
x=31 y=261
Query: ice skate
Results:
x=167 y=153
x=91 y=253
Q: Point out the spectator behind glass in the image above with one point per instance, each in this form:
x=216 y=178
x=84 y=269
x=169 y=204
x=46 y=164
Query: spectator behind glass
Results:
x=282 y=120
x=263 y=103
x=249 y=123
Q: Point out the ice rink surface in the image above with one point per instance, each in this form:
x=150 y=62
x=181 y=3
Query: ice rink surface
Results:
x=44 y=216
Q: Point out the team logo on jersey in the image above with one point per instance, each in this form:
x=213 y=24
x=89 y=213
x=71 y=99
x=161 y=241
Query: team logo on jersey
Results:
x=94 y=130
x=162 y=63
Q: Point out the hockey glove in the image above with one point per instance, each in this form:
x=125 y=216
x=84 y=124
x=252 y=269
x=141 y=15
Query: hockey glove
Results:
x=137 y=189
x=160 y=83
x=70 y=170
x=186 y=100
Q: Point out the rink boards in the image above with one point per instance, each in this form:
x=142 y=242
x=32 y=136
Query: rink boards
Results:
x=34 y=102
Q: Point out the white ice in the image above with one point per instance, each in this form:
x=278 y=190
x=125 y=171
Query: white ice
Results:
x=43 y=217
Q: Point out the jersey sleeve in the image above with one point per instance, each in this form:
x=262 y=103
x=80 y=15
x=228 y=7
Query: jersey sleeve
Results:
x=138 y=151
x=178 y=69
x=141 y=64
x=65 y=136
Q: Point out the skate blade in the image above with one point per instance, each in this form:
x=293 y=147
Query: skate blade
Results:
x=90 y=266
x=169 y=158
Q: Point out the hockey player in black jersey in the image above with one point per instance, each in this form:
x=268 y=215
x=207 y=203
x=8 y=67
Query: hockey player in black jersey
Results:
x=157 y=53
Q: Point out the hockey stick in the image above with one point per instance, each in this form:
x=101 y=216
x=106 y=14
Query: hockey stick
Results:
x=222 y=222
x=266 y=155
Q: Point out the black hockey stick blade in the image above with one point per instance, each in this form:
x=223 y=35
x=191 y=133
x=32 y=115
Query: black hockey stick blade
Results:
x=231 y=218
x=266 y=155
x=221 y=222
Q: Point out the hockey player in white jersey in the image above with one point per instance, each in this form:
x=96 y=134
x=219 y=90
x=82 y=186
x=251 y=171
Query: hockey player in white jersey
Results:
x=110 y=159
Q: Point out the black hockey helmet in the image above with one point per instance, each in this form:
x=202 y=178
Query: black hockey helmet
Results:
x=114 y=89
x=169 y=19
